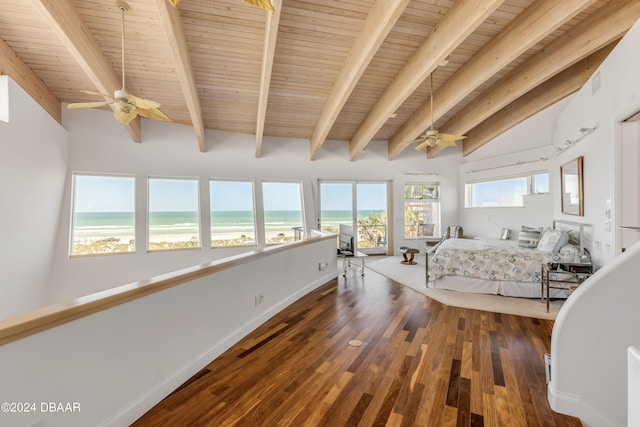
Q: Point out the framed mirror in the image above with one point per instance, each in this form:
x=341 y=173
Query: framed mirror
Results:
x=572 y=190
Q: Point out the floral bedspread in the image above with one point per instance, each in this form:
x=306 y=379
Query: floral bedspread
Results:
x=490 y=259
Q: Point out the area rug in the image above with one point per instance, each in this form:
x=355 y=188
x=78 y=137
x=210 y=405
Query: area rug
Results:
x=413 y=276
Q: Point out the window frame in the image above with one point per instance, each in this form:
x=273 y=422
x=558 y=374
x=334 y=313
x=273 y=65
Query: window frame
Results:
x=72 y=219
x=254 y=213
x=426 y=200
x=148 y=213
x=263 y=210
x=529 y=185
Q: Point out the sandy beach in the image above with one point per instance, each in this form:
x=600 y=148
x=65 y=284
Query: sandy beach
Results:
x=126 y=243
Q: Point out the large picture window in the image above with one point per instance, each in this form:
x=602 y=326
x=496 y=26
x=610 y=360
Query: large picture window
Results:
x=174 y=214
x=103 y=214
x=421 y=210
x=282 y=202
x=505 y=192
x=232 y=213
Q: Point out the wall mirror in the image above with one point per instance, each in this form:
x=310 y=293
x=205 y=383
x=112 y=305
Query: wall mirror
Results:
x=572 y=187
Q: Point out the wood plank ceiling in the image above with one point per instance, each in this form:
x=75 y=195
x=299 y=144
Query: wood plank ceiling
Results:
x=346 y=70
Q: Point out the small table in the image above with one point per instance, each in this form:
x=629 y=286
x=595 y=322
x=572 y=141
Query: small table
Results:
x=346 y=262
x=567 y=276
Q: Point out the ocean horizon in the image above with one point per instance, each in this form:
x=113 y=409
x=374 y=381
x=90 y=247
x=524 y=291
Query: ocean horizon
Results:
x=224 y=224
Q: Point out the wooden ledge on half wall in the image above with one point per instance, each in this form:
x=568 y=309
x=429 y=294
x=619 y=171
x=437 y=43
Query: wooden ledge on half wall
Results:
x=41 y=319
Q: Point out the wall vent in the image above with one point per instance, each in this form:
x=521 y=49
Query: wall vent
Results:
x=547 y=366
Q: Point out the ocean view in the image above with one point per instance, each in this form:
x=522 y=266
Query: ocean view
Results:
x=177 y=226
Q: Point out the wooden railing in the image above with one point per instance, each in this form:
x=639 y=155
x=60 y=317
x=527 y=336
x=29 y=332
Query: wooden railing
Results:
x=38 y=320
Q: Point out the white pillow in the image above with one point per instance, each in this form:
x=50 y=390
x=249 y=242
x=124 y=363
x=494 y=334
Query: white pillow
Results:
x=549 y=240
x=529 y=237
x=564 y=239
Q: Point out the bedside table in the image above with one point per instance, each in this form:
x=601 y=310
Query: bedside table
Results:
x=567 y=276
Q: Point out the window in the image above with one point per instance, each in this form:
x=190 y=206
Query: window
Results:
x=506 y=192
x=232 y=213
x=174 y=214
x=539 y=183
x=282 y=202
x=421 y=210
x=103 y=214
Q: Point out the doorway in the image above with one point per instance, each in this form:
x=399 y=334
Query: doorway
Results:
x=628 y=187
x=360 y=204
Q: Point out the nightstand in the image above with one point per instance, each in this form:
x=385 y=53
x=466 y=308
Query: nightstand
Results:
x=567 y=276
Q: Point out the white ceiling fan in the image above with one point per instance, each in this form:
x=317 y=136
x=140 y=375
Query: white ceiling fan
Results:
x=432 y=136
x=261 y=4
x=125 y=105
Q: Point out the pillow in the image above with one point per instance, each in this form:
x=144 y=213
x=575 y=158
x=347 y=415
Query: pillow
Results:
x=550 y=239
x=570 y=250
x=574 y=236
x=529 y=237
x=564 y=239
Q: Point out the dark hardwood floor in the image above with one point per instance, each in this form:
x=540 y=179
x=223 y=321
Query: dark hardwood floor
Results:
x=421 y=363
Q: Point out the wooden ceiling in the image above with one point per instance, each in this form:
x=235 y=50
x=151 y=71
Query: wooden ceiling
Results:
x=347 y=70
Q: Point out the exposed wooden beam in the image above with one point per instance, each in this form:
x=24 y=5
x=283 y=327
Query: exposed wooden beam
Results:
x=601 y=28
x=270 y=36
x=14 y=67
x=172 y=24
x=380 y=21
x=461 y=20
x=553 y=90
x=535 y=23
x=65 y=21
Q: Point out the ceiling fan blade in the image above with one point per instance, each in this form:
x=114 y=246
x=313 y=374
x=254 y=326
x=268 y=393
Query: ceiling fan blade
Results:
x=87 y=105
x=261 y=4
x=91 y=92
x=429 y=142
x=446 y=143
x=153 y=114
x=449 y=137
x=141 y=102
x=124 y=116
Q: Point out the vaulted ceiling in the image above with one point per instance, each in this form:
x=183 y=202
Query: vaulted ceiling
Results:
x=347 y=70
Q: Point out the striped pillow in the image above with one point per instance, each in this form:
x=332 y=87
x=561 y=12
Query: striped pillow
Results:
x=529 y=237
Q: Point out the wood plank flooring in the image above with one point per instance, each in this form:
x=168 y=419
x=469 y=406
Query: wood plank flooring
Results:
x=421 y=363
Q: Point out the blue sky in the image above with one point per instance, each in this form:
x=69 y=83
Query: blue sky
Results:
x=104 y=194
x=338 y=196
x=173 y=195
x=117 y=194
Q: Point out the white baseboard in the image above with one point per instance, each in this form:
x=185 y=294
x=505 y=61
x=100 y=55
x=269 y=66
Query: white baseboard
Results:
x=148 y=400
x=572 y=404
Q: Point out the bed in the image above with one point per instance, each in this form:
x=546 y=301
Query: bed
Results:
x=503 y=267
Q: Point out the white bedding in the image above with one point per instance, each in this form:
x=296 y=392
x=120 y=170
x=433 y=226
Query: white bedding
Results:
x=491 y=266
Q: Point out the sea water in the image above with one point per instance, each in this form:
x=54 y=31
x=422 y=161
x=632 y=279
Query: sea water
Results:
x=175 y=226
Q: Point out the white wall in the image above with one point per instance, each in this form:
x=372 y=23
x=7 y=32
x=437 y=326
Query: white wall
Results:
x=526 y=142
x=598 y=322
x=589 y=345
x=617 y=98
x=33 y=168
x=99 y=144
x=118 y=363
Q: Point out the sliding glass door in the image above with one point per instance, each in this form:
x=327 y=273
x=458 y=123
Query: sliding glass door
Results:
x=362 y=205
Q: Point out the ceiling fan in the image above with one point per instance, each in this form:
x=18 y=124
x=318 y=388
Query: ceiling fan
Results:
x=432 y=136
x=125 y=106
x=261 y=4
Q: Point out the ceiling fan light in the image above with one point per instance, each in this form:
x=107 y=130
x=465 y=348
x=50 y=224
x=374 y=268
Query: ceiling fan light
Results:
x=120 y=94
